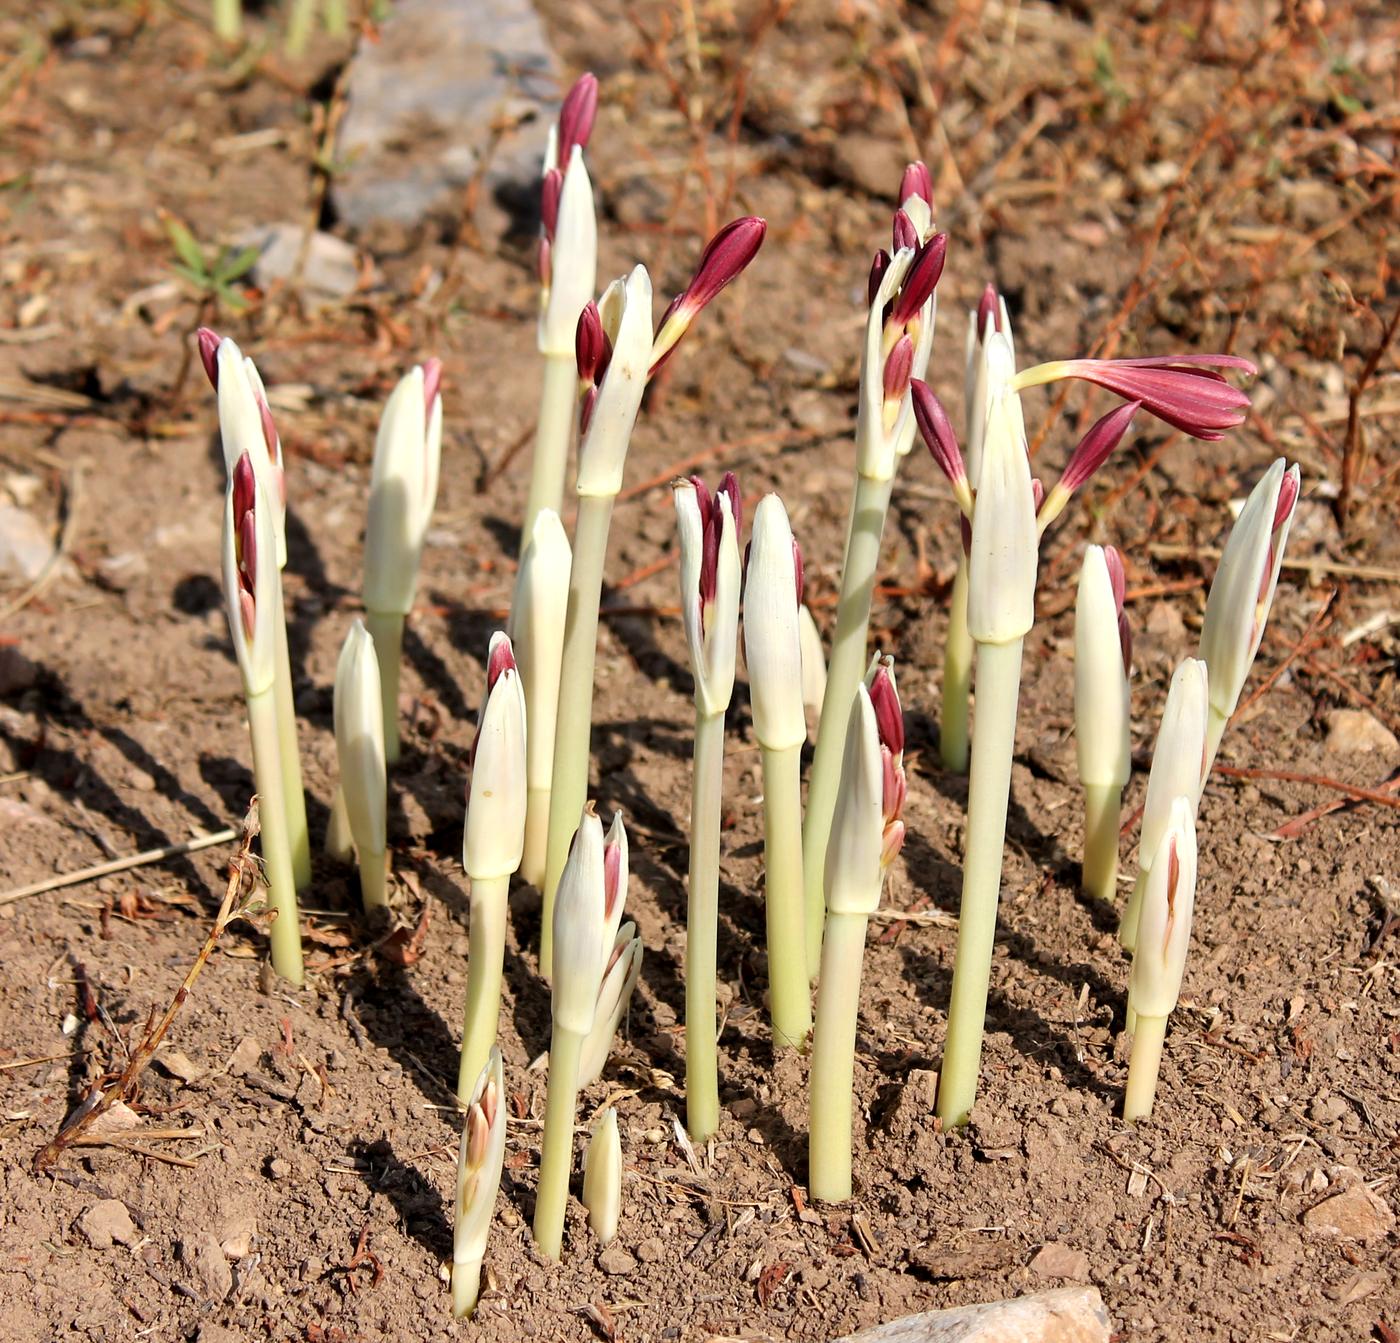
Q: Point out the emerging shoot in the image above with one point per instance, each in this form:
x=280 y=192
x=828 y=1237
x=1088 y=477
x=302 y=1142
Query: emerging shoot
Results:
x=359 y=749
x=602 y=1177
x=478 y=1179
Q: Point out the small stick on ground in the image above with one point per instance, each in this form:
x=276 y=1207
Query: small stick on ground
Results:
x=243 y=876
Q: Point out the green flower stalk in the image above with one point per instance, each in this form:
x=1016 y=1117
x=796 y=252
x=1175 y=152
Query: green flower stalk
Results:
x=1164 y=936
x=898 y=338
x=1103 y=655
x=246 y=427
x=602 y=1177
x=228 y=20
x=772 y=650
x=709 y=581
x=1237 y=608
x=492 y=842
x=402 y=491
x=253 y=592
x=359 y=749
x=617 y=354
x=479 y=1165
x=568 y=265
x=587 y=914
x=1179 y=766
x=538 y=610
x=866 y=835
x=953 y=740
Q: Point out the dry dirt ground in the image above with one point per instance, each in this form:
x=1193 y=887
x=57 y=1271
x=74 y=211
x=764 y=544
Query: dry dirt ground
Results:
x=1178 y=176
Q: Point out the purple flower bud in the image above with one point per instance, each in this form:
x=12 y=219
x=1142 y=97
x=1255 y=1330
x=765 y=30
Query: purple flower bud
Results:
x=432 y=383
x=921 y=281
x=612 y=877
x=730 y=486
x=878 y=267
x=988 y=309
x=905 y=234
x=724 y=258
x=551 y=189
x=244 y=489
x=585 y=415
x=576 y=117
x=898 y=367
x=1184 y=390
x=1287 y=500
x=916 y=182
x=889 y=718
x=1096 y=446
x=1117 y=579
x=937 y=432
x=797 y=568
x=592 y=349
x=248 y=553
x=209 y=354
x=501 y=659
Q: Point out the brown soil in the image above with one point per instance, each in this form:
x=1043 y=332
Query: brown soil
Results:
x=1160 y=180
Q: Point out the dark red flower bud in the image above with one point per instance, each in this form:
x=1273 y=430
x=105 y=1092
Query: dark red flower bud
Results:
x=501 y=658
x=551 y=189
x=988 y=309
x=245 y=489
x=724 y=258
x=1097 y=445
x=592 y=348
x=576 y=118
x=730 y=486
x=1287 y=501
x=916 y=181
x=1117 y=579
x=905 y=234
x=889 y=717
x=921 y=280
x=937 y=432
x=209 y=354
x=899 y=365
x=878 y=267
x=797 y=568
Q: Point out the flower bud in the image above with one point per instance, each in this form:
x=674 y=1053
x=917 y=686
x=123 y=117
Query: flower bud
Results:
x=1178 y=756
x=576 y=116
x=1093 y=451
x=584 y=926
x=570 y=262
x=359 y=739
x=494 y=836
x=1243 y=591
x=710 y=581
x=403 y=489
x=772 y=644
x=626 y=317
x=916 y=182
x=937 y=432
x=1101 y=693
x=602 y=1177
x=984 y=380
x=1005 y=543
x=620 y=978
x=479 y=1162
x=1164 y=925
x=252 y=584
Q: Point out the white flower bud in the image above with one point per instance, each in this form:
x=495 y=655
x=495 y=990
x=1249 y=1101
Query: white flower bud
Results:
x=537 y=615
x=479 y=1162
x=494 y=837
x=602 y=1177
x=1164 y=926
x=1101 y=693
x=1178 y=757
x=587 y=912
x=772 y=644
x=854 y=848
x=359 y=739
x=573 y=260
x=614 y=997
x=1243 y=590
x=603 y=452
x=245 y=425
x=403 y=490
x=710 y=617
x=1005 y=548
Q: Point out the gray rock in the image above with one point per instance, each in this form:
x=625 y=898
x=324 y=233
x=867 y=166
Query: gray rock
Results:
x=1355 y=1213
x=426 y=102
x=1356 y=732
x=330 y=270
x=617 y=1261
x=25 y=545
x=106 y=1224
x=1069 y=1315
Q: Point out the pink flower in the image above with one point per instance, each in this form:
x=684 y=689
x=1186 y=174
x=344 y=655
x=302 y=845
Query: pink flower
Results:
x=1097 y=445
x=937 y=432
x=209 y=354
x=916 y=182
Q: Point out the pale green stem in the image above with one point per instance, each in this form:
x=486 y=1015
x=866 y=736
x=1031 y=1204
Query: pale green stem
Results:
x=701 y=929
x=550 y=468
x=833 y=1058
x=989 y=791
x=573 y=728
x=276 y=848
x=957 y=679
x=340 y=843
x=374 y=880
x=228 y=20
x=532 y=858
x=300 y=18
x=1130 y=1017
x=386 y=629
x=290 y=754
x=844 y=671
x=557 y=1147
x=1128 y=923
x=788 y=978
x=1144 y=1063
x=1102 y=808
x=486 y=956
x=335 y=15
x=1216 y=723
x=466 y=1287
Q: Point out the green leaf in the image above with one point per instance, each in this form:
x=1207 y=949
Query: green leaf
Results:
x=231 y=265
x=186 y=247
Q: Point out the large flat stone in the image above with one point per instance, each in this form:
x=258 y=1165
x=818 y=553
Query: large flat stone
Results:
x=1069 y=1315
x=426 y=102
